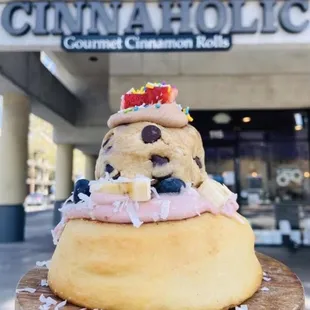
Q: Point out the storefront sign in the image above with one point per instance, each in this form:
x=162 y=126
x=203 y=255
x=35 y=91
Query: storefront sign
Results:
x=154 y=43
x=184 y=25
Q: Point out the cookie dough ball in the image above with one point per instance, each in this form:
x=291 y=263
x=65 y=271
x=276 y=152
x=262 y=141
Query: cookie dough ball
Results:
x=154 y=151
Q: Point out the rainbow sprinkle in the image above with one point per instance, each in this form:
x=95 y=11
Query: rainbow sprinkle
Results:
x=186 y=112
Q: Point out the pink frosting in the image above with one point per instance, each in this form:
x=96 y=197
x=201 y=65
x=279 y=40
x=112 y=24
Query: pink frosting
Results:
x=165 y=207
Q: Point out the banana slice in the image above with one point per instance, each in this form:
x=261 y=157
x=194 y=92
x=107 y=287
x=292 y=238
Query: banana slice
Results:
x=137 y=189
x=215 y=192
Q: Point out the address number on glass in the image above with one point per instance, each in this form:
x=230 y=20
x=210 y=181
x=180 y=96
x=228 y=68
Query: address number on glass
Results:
x=287 y=176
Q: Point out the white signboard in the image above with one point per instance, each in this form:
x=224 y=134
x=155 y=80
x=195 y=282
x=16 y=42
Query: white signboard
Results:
x=289 y=22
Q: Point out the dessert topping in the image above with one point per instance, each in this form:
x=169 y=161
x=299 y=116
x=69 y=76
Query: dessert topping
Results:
x=81 y=187
x=150 y=134
x=170 y=185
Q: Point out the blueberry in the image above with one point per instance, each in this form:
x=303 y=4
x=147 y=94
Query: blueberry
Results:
x=170 y=185
x=81 y=186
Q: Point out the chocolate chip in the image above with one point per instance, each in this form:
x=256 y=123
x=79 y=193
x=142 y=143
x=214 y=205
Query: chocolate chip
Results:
x=109 y=168
x=159 y=160
x=198 y=162
x=108 y=149
x=105 y=143
x=150 y=134
x=116 y=176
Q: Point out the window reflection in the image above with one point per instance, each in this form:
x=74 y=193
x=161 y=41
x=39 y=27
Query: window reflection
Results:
x=266 y=162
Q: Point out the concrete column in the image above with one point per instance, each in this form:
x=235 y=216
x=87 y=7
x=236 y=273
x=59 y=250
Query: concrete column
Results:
x=90 y=163
x=64 y=184
x=13 y=166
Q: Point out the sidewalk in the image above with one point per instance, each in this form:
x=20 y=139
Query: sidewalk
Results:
x=17 y=259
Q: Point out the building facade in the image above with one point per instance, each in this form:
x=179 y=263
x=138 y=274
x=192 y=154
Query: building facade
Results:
x=242 y=67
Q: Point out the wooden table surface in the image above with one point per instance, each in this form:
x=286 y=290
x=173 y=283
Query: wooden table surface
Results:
x=285 y=289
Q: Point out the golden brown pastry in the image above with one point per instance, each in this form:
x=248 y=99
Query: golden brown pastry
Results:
x=204 y=263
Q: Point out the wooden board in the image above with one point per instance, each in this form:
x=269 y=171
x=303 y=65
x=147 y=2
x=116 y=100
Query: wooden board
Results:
x=285 y=289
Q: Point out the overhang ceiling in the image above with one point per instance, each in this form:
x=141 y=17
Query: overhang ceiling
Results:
x=100 y=83
x=92 y=81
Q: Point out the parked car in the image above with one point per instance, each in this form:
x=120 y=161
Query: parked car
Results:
x=35 y=199
x=51 y=198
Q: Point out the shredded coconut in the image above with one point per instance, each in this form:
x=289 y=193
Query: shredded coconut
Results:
x=47 y=300
x=124 y=205
x=164 y=209
x=155 y=217
x=85 y=199
x=264 y=274
x=44 y=282
x=44 y=307
x=266 y=279
x=197 y=211
x=43 y=264
x=133 y=215
x=70 y=199
x=92 y=215
x=116 y=206
x=61 y=305
x=137 y=207
x=154 y=191
x=26 y=289
x=55 y=237
x=264 y=289
x=242 y=307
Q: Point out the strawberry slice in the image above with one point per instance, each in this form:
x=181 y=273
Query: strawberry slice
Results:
x=162 y=94
x=151 y=96
x=131 y=100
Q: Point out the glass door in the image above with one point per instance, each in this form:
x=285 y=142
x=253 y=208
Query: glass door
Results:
x=220 y=165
